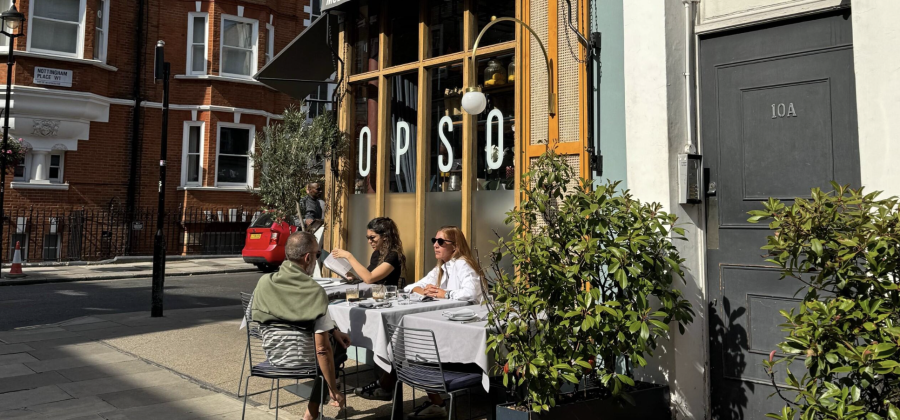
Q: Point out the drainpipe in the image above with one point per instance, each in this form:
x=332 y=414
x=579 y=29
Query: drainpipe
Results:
x=135 y=120
x=690 y=146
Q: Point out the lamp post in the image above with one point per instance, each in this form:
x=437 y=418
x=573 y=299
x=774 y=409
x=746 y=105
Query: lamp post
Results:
x=161 y=72
x=11 y=27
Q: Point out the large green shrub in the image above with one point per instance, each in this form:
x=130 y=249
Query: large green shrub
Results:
x=594 y=274
x=845 y=247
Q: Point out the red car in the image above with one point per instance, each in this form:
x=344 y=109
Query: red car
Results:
x=264 y=245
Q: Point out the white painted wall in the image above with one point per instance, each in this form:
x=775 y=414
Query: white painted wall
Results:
x=876 y=37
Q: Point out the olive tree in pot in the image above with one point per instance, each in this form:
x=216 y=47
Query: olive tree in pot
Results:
x=593 y=286
x=844 y=246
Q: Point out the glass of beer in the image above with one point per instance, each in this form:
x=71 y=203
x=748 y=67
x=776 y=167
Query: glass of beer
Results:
x=378 y=292
x=352 y=295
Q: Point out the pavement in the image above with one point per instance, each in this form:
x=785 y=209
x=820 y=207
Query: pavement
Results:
x=125 y=269
x=128 y=366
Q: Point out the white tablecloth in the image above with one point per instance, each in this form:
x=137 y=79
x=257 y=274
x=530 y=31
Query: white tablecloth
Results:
x=368 y=327
x=457 y=342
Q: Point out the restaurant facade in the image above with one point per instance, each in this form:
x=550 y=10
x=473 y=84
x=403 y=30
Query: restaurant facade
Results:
x=417 y=156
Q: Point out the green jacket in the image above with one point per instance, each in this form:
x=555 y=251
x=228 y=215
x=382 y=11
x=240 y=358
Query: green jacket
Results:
x=288 y=296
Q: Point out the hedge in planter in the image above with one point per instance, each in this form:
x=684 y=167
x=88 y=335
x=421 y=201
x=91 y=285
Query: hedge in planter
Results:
x=595 y=271
x=845 y=246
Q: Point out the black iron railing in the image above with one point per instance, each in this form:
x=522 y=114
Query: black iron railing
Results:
x=99 y=233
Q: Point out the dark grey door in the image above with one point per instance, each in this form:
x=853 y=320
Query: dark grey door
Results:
x=778 y=117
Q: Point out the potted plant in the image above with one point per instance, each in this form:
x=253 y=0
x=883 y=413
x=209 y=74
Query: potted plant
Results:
x=593 y=289
x=844 y=246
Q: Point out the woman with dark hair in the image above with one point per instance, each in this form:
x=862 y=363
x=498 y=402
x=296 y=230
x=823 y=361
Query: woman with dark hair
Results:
x=387 y=262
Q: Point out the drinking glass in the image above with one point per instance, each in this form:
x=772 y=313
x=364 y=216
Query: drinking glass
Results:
x=390 y=293
x=352 y=295
x=404 y=298
x=378 y=292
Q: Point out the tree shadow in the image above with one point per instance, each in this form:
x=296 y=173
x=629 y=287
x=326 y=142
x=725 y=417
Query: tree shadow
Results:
x=728 y=343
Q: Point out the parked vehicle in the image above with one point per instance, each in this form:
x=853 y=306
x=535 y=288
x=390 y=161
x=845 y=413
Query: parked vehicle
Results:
x=265 y=241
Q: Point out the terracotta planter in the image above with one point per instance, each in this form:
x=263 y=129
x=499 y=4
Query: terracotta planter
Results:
x=651 y=404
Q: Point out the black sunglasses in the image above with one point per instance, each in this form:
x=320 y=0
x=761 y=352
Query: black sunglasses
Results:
x=440 y=241
x=370 y=238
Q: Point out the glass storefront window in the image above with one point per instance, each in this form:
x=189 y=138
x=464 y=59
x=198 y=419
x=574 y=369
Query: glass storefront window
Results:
x=445 y=27
x=403 y=25
x=445 y=141
x=365 y=100
x=365 y=37
x=496 y=126
x=501 y=32
x=404 y=139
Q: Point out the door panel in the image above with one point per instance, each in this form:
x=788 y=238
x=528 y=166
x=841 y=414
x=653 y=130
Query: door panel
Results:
x=778 y=117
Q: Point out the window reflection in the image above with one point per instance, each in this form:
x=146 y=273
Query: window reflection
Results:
x=501 y=32
x=365 y=37
x=445 y=22
x=404 y=32
x=404 y=139
x=365 y=98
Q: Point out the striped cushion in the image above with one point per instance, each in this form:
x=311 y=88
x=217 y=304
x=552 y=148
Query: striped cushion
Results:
x=288 y=348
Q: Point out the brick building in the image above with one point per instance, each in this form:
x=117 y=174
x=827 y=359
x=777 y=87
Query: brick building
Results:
x=86 y=105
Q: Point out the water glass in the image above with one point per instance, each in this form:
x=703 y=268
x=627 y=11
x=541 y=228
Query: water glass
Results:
x=404 y=298
x=390 y=293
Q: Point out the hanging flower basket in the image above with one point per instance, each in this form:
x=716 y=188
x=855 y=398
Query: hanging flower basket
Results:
x=12 y=152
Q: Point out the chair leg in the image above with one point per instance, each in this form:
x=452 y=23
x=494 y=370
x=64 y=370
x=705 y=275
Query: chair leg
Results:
x=450 y=414
x=396 y=385
x=274 y=390
x=243 y=365
x=247 y=383
x=277 y=394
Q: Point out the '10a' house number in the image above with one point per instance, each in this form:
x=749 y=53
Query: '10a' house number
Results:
x=781 y=110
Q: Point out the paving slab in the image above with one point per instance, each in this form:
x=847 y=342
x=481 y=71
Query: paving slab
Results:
x=179 y=410
x=39 y=336
x=64 y=410
x=17 y=369
x=30 y=397
x=73 y=340
x=14 y=348
x=119 y=383
x=37 y=380
x=80 y=321
x=90 y=326
x=155 y=395
x=78 y=361
x=16 y=358
x=71 y=351
x=107 y=370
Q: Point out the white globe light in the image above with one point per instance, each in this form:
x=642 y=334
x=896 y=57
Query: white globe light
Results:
x=474 y=102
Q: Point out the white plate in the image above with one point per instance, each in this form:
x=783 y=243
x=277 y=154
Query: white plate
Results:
x=463 y=317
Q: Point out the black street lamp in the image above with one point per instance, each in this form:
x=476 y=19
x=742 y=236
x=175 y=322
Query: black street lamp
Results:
x=160 y=72
x=12 y=28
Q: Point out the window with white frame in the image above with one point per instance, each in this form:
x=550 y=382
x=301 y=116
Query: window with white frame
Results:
x=101 y=27
x=235 y=145
x=19 y=172
x=270 y=42
x=198 y=39
x=192 y=155
x=53 y=167
x=315 y=11
x=56 y=27
x=54 y=173
x=238 y=39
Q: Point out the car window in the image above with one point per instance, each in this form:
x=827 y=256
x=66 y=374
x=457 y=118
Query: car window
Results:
x=263 y=221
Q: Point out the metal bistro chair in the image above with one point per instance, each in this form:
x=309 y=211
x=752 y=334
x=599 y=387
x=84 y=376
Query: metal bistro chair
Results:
x=418 y=364
x=260 y=366
x=253 y=330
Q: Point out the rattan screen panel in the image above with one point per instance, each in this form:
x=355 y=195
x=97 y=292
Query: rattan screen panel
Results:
x=568 y=74
x=538 y=73
x=574 y=162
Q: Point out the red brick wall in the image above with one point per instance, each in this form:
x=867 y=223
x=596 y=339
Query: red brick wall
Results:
x=98 y=172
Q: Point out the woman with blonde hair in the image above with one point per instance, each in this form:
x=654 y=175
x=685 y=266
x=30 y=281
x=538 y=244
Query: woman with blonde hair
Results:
x=457 y=275
x=387 y=262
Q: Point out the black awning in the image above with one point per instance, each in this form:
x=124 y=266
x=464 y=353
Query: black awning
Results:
x=306 y=63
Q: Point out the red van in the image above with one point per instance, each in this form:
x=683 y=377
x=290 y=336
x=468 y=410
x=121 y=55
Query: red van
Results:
x=264 y=244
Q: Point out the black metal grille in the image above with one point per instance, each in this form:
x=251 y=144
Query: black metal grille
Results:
x=99 y=233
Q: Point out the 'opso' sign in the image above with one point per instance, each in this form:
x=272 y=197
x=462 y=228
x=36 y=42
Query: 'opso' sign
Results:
x=494 y=160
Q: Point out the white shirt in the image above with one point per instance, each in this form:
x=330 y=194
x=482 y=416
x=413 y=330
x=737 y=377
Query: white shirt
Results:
x=460 y=281
x=324 y=323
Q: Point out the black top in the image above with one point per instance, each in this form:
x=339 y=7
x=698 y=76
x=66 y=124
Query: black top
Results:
x=392 y=279
x=312 y=208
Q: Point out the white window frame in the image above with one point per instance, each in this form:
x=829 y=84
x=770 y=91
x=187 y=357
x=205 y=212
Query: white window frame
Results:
x=189 y=68
x=184 y=153
x=26 y=173
x=62 y=167
x=250 y=150
x=79 y=43
x=254 y=61
x=105 y=30
x=270 y=42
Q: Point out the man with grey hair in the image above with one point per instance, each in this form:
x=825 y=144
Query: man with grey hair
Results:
x=291 y=299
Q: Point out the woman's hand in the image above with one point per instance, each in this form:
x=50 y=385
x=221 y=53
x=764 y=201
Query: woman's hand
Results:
x=340 y=253
x=435 y=292
x=338 y=399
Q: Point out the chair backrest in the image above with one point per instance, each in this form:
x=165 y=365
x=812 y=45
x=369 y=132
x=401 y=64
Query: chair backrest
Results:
x=252 y=328
x=284 y=347
x=416 y=358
